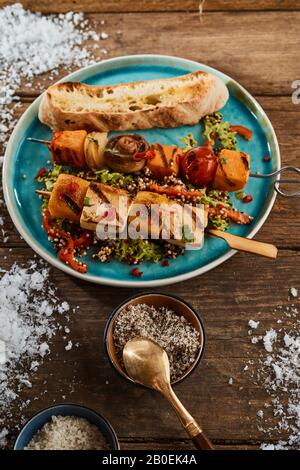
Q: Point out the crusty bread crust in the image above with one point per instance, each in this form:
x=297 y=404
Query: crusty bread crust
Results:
x=165 y=103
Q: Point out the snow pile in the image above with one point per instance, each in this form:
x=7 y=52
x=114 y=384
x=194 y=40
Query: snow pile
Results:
x=278 y=372
x=32 y=44
x=28 y=303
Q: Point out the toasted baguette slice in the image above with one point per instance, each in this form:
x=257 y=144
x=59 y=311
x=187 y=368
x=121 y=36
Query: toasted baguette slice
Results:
x=171 y=102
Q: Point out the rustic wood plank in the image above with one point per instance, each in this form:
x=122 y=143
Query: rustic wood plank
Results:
x=226 y=298
x=112 y=6
x=264 y=59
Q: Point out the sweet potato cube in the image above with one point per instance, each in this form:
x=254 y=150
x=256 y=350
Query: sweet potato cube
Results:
x=67 y=148
x=165 y=161
x=67 y=197
x=233 y=170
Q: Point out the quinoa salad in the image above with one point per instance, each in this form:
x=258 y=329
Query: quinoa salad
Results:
x=127 y=165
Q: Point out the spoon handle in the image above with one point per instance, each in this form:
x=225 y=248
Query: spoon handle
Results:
x=191 y=426
x=202 y=442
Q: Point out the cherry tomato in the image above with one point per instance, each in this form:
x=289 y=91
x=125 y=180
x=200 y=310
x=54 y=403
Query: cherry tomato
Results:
x=199 y=166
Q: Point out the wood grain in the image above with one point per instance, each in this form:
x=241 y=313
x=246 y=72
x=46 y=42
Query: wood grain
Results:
x=264 y=59
x=257 y=43
x=125 y=6
x=226 y=298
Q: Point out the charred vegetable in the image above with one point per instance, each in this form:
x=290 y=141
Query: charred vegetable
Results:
x=125 y=153
x=233 y=170
x=164 y=160
x=67 y=148
x=94 y=147
x=77 y=148
x=67 y=197
x=198 y=166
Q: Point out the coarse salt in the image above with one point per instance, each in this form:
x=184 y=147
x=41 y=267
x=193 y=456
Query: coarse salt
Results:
x=279 y=375
x=174 y=333
x=69 y=346
x=293 y=292
x=32 y=44
x=253 y=324
x=269 y=338
x=27 y=323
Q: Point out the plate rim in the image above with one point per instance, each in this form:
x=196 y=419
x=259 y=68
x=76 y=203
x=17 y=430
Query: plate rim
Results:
x=9 y=192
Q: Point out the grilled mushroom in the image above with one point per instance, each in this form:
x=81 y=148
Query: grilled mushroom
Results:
x=124 y=153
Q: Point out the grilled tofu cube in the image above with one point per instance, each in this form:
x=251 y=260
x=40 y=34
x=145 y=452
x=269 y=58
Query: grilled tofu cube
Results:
x=67 y=197
x=165 y=161
x=233 y=170
x=170 y=222
x=107 y=204
x=147 y=226
x=191 y=228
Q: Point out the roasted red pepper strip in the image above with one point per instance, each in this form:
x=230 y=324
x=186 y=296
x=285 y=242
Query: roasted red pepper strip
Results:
x=173 y=191
x=40 y=173
x=235 y=216
x=146 y=155
x=66 y=253
x=84 y=240
x=242 y=131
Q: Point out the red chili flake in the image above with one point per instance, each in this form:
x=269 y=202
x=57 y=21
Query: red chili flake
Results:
x=267 y=158
x=136 y=272
x=73 y=187
x=165 y=263
x=41 y=173
x=247 y=198
x=146 y=155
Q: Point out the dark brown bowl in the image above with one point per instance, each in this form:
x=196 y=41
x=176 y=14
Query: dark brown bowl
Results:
x=174 y=303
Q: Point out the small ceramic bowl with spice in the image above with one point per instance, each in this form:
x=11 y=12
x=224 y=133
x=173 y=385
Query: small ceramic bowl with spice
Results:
x=166 y=319
x=67 y=427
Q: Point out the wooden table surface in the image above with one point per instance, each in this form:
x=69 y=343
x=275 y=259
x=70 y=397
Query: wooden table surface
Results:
x=258 y=44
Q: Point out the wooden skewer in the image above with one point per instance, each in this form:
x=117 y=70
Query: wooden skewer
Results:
x=235 y=242
x=245 y=244
x=41 y=192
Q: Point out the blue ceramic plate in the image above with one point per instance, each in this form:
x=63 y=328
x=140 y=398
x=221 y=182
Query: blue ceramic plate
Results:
x=25 y=158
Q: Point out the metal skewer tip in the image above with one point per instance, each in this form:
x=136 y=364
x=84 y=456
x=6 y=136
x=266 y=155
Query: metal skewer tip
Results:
x=39 y=141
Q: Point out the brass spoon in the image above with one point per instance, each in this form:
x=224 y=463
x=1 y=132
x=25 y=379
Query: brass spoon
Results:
x=147 y=364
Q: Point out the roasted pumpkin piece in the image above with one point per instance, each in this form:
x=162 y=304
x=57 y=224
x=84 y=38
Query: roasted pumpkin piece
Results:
x=233 y=170
x=165 y=160
x=67 y=197
x=67 y=148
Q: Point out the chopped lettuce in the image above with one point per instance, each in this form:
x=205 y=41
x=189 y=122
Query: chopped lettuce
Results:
x=216 y=132
x=214 y=197
x=189 y=142
x=49 y=179
x=218 y=222
x=118 y=180
x=137 y=251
